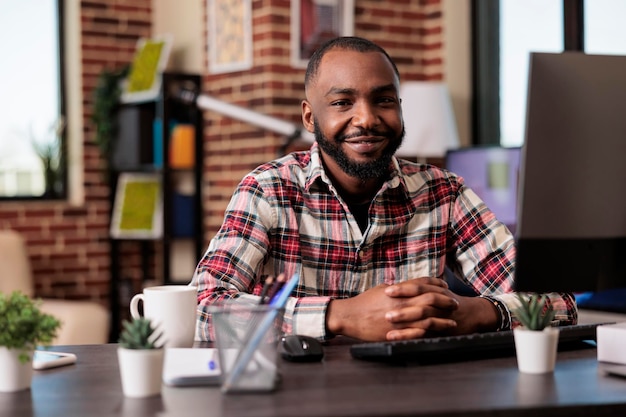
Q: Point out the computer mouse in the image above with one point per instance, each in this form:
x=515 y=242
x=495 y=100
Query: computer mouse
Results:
x=301 y=348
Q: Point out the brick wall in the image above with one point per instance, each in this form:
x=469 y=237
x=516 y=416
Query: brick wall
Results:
x=68 y=246
x=410 y=30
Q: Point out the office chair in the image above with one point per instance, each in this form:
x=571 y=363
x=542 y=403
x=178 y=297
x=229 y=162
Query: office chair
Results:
x=82 y=322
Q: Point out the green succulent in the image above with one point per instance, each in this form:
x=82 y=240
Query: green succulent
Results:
x=534 y=312
x=23 y=326
x=140 y=334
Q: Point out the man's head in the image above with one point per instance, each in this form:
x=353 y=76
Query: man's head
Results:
x=352 y=107
x=348 y=43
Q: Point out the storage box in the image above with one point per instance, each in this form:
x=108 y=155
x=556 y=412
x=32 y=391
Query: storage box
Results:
x=182 y=146
x=183 y=215
x=132 y=147
x=611 y=341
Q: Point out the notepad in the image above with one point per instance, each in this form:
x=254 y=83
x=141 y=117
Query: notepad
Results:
x=191 y=367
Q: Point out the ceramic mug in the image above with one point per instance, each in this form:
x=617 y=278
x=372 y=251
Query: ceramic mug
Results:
x=172 y=310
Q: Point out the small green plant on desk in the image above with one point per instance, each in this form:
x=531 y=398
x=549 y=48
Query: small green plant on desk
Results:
x=23 y=326
x=140 y=334
x=536 y=341
x=140 y=357
x=534 y=312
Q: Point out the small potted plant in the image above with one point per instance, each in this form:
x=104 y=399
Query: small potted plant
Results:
x=536 y=342
x=140 y=355
x=23 y=327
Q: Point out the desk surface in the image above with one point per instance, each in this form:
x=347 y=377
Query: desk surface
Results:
x=337 y=386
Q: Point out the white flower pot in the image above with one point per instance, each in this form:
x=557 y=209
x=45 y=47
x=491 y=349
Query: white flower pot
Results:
x=141 y=371
x=536 y=350
x=14 y=375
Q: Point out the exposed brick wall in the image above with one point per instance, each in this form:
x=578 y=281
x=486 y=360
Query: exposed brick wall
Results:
x=110 y=30
x=410 y=30
x=69 y=246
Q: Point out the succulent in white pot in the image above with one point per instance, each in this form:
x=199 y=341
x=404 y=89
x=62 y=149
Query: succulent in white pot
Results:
x=536 y=341
x=140 y=356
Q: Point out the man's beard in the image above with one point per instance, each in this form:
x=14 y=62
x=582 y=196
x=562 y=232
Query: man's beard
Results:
x=365 y=170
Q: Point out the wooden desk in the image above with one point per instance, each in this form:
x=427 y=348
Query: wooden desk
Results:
x=338 y=386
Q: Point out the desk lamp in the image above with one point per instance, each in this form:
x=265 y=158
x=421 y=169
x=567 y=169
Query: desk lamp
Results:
x=428 y=120
x=273 y=124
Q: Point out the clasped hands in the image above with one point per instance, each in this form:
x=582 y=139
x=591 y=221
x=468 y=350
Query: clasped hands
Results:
x=412 y=309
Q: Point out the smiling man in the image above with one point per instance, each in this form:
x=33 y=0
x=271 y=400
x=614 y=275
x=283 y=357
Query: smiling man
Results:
x=369 y=234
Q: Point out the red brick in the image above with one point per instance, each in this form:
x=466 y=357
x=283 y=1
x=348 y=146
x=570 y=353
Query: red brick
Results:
x=272 y=87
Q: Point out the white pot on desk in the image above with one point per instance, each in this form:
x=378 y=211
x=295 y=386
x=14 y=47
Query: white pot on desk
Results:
x=536 y=349
x=141 y=371
x=14 y=375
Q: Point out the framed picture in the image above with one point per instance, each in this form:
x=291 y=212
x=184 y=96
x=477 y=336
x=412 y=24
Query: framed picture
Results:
x=230 y=35
x=315 y=21
x=138 y=207
x=145 y=76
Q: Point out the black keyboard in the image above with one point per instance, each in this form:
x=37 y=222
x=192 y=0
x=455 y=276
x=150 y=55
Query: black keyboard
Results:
x=465 y=347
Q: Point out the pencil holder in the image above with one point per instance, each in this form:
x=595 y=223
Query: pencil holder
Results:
x=247 y=337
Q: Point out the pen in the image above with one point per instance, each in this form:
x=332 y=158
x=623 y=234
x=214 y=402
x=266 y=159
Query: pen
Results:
x=276 y=286
x=280 y=297
x=267 y=283
x=212 y=364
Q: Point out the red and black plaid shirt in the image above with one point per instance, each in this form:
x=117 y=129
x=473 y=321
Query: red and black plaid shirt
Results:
x=286 y=216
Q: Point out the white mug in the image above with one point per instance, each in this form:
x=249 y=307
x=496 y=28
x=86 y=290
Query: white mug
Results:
x=172 y=310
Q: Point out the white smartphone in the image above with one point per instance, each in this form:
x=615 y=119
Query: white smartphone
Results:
x=44 y=359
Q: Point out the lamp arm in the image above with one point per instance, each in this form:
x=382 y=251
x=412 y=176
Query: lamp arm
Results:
x=274 y=124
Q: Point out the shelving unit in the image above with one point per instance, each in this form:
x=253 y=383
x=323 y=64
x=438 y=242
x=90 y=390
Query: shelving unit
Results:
x=164 y=137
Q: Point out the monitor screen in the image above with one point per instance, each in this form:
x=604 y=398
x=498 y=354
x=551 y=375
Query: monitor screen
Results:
x=492 y=173
x=571 y=229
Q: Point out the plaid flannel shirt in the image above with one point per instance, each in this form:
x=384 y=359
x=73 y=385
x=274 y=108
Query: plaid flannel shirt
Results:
x=286 y=216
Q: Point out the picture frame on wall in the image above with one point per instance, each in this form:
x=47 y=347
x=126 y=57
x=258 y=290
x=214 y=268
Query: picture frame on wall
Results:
x=144 y=79
x=313 y=22
x=230 y=35
x=138 y=207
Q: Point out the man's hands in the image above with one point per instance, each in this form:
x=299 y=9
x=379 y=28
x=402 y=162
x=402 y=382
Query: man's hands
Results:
x=409 y=310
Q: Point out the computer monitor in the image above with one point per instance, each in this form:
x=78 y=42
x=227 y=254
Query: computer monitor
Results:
x=492 y=173
x=571 y=229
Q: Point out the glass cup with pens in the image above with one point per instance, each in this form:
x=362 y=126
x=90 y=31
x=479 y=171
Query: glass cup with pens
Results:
x=247 y=334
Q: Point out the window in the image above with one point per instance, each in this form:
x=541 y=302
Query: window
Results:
x=529 y=25
x=605 y=32
x=506 y=31
x=32 y=125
